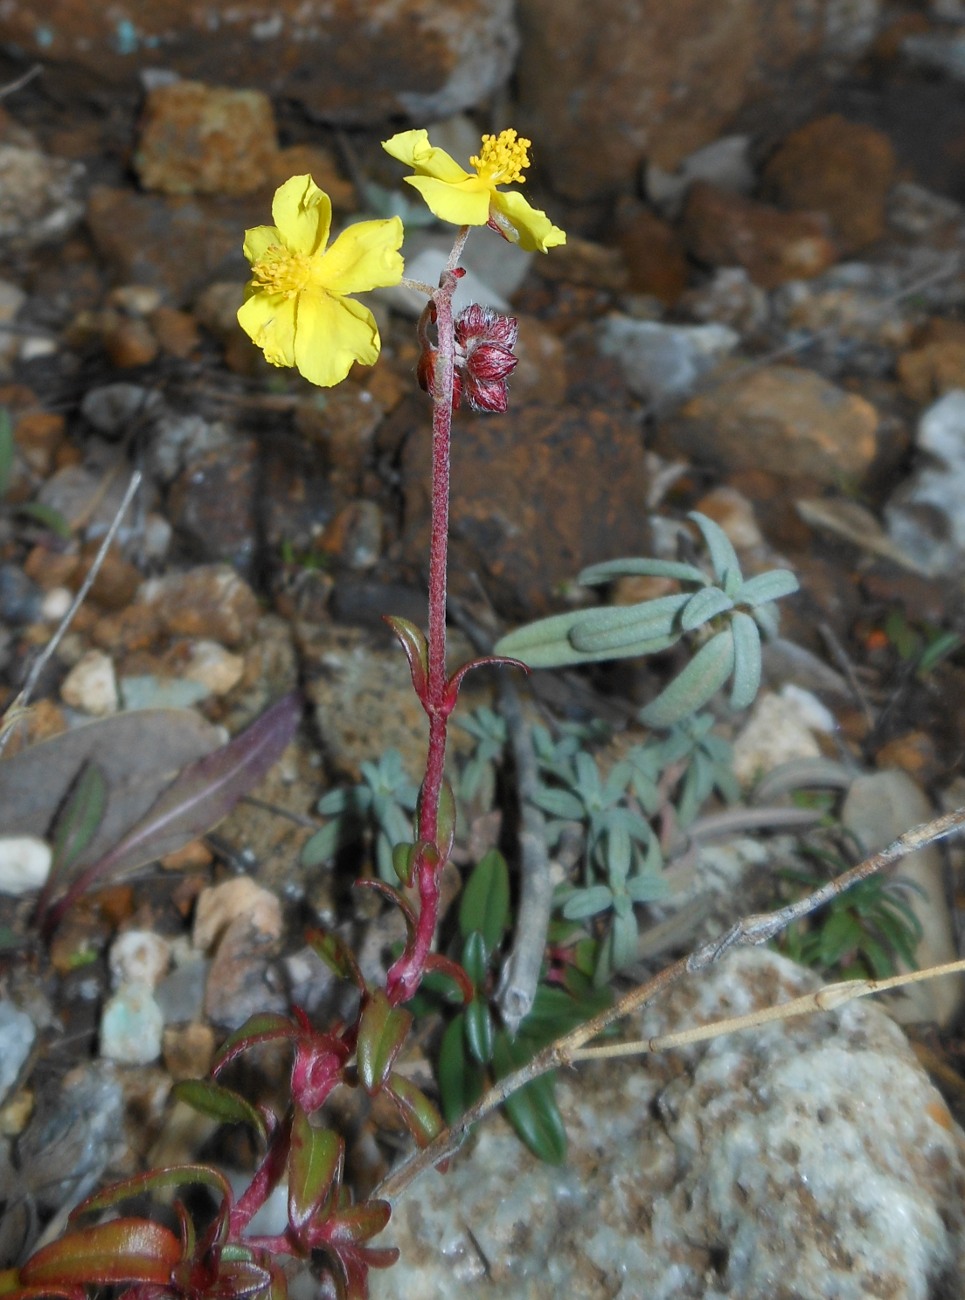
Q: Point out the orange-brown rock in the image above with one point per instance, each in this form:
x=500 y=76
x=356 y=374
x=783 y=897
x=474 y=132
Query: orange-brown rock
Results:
x=936 y=363
x=783 y=421
x=725 y=229
x=199 y=139
x=604 y=86
x=655 y=257
x=843 y=169
x=350 y=61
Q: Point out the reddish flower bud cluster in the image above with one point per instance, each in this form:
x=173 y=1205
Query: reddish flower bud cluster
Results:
x=484 y=359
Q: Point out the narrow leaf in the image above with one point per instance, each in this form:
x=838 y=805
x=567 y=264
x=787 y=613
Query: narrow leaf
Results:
x=460 y=1080
x=155 y=1180
x=220 y=1103
x=640 y=568
x=587 y=902
x=445 y=966
x=723 y=557
x=79 y=817
x=197 y=799
x=314 y=1165
x=123 y=1250
x=382 y=1031
x=532 y=1110
x=6 y=450
x=697 y=683
x=416 y=651
x=648 y=620
x=421 y=1117
x=703 y=606
x=484 y=905
x=765 y=587
x=747 y=661
x=336 y=954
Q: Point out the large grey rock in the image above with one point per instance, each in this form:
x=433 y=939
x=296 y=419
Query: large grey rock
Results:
x=806 y=1159
x=925 y=517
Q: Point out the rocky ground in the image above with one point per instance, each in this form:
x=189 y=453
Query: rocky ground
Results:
x=758 y=314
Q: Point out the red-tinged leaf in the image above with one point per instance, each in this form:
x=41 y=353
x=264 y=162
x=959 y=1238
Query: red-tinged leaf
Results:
x=445 y=822
x=39 y=1292
x=393 y=895
x=314 y=1164
x=382 y=1031
x=123 y=1250
x=337 y=955
x=197 y=799
x=455 y=681
x=416 y=651
x=421 y=1116
x=446 y=966
x=220 y=1103
x=237 y=1280
x=359 y=1223
x=153 y=1181
x=266 y=1027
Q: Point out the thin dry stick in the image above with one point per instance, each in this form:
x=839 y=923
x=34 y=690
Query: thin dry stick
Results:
x=828 y=998
x=22 y=699
x=12 y=87
x=748 y=932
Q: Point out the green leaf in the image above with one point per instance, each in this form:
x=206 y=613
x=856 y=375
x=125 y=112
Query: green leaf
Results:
x=337 y=955
x=421 y=1116
x=382 y=1031
x=403 y=860
x=722 y=554
x=624 y=939
x=532 y=1110
x=6 y=450
x=460 y=1080
x=416 y=651
x=46 y=516
x=697 y=683
x=475 y=958
x=747 y=661
x=618 y=854
x=640 y=568
x=314 y=1167
x=325 y=843
x=765 y=587
x=79 y=817
x=484 y=905
x=220 y=1103
x=559 y=803
x=703 y=606
x=479 y=1031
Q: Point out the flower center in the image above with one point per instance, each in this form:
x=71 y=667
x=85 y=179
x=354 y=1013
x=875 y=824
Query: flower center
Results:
x=282 y=271
x=502 y=158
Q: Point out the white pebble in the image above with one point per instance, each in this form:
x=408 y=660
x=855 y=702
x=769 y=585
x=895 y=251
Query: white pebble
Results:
x=91 y=685
x=24 y=864
x=139 y=957
x=131 y=1026
x=56 y=603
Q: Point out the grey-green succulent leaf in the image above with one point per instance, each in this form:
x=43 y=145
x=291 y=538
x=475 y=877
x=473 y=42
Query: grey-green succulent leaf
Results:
x=747 y=661
x=609 y=570
x=695 y=684
x=723 y=557
x=764 y=587
x=703 y=606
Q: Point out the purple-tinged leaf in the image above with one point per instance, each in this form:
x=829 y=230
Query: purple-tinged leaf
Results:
x=337 y=955
x=220 y=1103
x=360 y=1222
x=266 y=1027
x=314 y=1165
x=382 y=1031
x=446 y=966
x=197 y=799
x=393 y=895
x=421 y=1116
x=123 y=1250
x=493 y=661
x=155 y=1180
x=416 y=651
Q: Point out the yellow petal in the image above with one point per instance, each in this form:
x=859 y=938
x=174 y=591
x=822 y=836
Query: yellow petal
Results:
x=414 y=149
x=258 y=240
x=465 y=204
x=303 y=214
x=269 y=321
x=365 y=256
x=330 y=334
x=523 y=224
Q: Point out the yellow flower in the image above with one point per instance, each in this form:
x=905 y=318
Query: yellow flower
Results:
x=471 y=198
x=295 y=307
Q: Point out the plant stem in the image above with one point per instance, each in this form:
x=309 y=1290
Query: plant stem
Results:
x=405 y=976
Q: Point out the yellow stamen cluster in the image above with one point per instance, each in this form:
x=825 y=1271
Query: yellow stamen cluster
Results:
x=282 y=271
x=502 y=158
